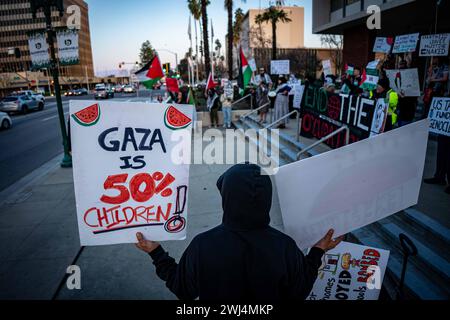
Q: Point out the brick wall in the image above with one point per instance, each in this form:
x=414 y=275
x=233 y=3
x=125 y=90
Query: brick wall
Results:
x=358 y=46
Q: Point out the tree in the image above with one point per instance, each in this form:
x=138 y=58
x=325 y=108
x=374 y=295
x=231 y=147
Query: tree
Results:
x=273 y=15
x=237 y=27
x=195 y=9
x=147 y=53
x=228 y=4
x=336 y=44
x=204 y=4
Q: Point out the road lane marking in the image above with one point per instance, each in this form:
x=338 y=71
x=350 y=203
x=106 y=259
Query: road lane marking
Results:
x=53 y=117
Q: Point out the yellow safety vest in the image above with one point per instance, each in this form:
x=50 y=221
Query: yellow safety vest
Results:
x=392 y=100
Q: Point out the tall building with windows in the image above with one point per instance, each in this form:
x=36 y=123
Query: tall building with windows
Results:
x=16 y=21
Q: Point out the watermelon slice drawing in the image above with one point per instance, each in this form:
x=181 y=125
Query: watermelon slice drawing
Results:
x=88 y=116
x=174 y=119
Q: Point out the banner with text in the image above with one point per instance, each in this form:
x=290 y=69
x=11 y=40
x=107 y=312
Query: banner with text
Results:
x=405 y=81
x=383 y=45
x=434 y=45
x=131 y=170
x=440 y=116
x=68 y=49
x=406 y=43
x=350 y=272
x=281 y=67
x=38 y=46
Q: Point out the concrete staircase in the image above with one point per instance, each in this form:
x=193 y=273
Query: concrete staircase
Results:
x=428 y=273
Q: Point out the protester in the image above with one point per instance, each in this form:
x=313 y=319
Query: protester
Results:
x=262 y=99
x=243 y=258
x=227 y=101
x=438 y=81
x=263 y=76
x=407 y=105
x=355 y=80
x=213 y=106
x=282 y=102
x=384 y=91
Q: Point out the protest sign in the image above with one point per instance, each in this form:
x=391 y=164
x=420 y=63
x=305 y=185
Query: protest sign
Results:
x=298 y=95
x=252 y=64
x=434 y=45
x=379 y=118
x=406 y=43
x=383 y=45
x=37 y=44
x=440 y=116
x=280 y=67
x=68 y=51
x=353 y=186
x=405 y=81
x=326 y=64
x=131 y=170
x=324 y=113
x=350 y=272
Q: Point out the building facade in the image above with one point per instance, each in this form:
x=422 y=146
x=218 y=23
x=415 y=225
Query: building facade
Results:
x=398 y=17
x=16 y=21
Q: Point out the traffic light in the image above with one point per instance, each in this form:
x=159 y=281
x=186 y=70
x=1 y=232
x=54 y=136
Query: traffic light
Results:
x=166 y=67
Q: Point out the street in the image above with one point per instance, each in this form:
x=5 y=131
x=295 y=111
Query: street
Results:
x=35 y=138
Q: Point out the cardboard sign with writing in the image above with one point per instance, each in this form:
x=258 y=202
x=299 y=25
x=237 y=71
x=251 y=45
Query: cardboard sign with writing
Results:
x=383 y=45
x=434 y=45
x=280 y=67
x=405 y=81
x=440 y=116
x=350 y=272
x=379 y=117
x=353 y=186
x=298 y=95
x=131 y=170
x=326 y=64
x=406 y=43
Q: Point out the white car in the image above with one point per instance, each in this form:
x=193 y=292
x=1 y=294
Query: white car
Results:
x=129 y=89
x=5 y=121
x=33 y=94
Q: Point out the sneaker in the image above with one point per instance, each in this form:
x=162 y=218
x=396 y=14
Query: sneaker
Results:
x=435 y=181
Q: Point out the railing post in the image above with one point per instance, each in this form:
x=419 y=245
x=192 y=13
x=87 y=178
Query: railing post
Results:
x=298 y=127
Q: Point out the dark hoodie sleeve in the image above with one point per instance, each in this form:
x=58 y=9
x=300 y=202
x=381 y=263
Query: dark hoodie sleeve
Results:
x=180 y=278
x=303 y=272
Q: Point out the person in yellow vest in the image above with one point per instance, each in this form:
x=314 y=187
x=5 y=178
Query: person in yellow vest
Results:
x=384 y=91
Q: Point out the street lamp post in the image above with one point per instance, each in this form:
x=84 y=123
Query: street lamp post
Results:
x=47 y=5
x=171 y=52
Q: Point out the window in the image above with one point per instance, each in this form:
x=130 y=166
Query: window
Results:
x=336 y=5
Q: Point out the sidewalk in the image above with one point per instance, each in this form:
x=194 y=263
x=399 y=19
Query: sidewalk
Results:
x=39 y=240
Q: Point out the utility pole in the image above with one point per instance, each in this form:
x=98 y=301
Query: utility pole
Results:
x=47 y=5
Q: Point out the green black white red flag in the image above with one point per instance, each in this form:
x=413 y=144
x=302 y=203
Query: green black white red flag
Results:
x=245 y=72
x=151 y=73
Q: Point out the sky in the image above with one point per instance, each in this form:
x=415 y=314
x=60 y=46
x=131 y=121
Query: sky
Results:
x=118 y=28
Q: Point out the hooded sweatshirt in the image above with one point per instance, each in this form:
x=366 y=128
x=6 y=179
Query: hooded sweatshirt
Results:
x=243 y=258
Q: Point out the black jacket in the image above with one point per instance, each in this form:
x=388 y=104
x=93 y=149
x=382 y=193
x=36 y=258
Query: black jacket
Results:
x=243 y=258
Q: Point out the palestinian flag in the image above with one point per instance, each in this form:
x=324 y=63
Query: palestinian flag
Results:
x=151 y=73
x=245 y=72
x=210 y=84
x=191 y=98
x=172 y=85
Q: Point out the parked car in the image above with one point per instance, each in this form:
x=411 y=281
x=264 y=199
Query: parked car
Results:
x=32 y=94
x=81 y=92
x=103 y=92
x=21 y=103
x=118 y=88
x=5 y=121
x=70 y=93
x=129 y=89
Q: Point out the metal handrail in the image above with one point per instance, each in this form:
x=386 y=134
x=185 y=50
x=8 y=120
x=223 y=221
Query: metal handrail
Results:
x=287 y=116
x=241 y=99
x=254 y=111
x=347 y=140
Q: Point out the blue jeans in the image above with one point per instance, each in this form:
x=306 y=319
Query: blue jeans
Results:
x=227 y=116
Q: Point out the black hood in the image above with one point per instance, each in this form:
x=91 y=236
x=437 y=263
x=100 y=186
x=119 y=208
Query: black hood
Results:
x=246 y=197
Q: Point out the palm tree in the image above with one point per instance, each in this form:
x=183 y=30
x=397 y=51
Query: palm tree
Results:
x=274 y=16
x=204 y=4
x=194 y=8
x=228 y=4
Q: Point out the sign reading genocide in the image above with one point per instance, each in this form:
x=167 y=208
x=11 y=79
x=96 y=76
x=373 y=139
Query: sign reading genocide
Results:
x=440 y=116
x=406 y=43
x=350 y=272
x=37 y=44
x=351 y=187
x=68 y=50
x=434 y=45
x=280 y=67
x=131 y=170
x=324 y=113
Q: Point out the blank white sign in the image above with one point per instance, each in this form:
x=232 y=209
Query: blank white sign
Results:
x=352 y=186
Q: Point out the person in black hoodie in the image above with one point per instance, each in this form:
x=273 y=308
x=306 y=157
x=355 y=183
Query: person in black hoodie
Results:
x=243 y=258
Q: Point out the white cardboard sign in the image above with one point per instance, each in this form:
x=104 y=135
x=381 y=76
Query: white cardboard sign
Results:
x=405 y=81
x=440 y=116
x=383 y=45
x=299 y=89
x=434 y=45
x=350 y=272
x=406 y=43
x=281 y=67
x=326 y=64
x=131 y=170
x=353 y=186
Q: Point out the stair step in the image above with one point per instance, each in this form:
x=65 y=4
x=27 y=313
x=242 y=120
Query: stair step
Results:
x=430 y=224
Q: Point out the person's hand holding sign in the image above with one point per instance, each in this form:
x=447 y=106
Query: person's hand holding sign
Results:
x=145 y=245
x=327 y=243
